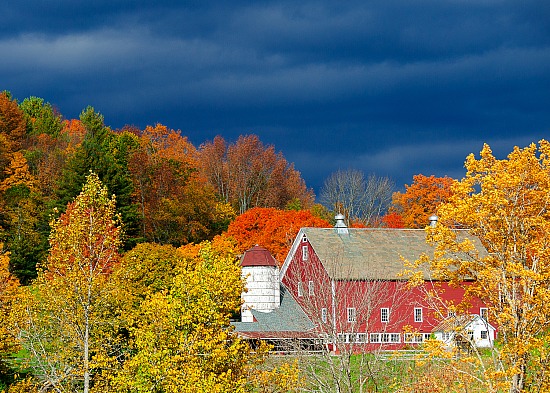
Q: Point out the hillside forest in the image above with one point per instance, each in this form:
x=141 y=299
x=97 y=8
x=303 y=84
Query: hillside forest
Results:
x=119 y=249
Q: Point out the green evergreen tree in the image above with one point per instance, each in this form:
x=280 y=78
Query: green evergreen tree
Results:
x=104 y=153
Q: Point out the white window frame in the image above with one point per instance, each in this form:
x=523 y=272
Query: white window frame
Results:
x=418 y=314
x=311 y=288
x=305 y=253
x=384 y=315
x=324 y=315
x=300 y=289
x=375 y=338
x=395 y=338
x=352 y=314
x=416 y=338
x=484 y=333
x=361 y=338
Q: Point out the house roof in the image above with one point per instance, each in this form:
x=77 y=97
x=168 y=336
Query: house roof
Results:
x=289 y=319
x=459 y=322
x=367 y=253
x=258 y=256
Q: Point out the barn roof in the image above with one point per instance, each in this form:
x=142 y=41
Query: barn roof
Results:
x=258 y=256
x=289 y=319
x=367 y=253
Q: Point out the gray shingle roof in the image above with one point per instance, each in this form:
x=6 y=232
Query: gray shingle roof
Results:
x=370 y=253
x=289 y=317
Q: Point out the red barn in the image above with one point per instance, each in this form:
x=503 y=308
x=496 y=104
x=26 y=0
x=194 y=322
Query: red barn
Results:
x=349 y=284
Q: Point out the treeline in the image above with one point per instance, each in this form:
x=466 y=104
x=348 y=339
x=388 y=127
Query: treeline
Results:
x=167 y=190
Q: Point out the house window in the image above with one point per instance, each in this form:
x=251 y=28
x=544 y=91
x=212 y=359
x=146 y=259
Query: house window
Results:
x=375 y=337
x=470 y=335
x=451 y=314
x=446 y=336
x=418 y=314
x=385 y=315
x=484 y=334
x=484 y=313
x=305 y=253
x=352 y=316
x=300 y=289
x=310 y=287
x=324 y=315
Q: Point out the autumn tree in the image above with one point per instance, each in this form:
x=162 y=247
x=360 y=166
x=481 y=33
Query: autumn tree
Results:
x=177 y=206
x=8 y=341
x=12 y=121
x=271 y=228
x=249 y=174
x=62 y=318
x=392 y=220
x=504 y=203
x=421 y=199
x=182 y=336
x=12 y=130
x=21 y=205
x=361 y=200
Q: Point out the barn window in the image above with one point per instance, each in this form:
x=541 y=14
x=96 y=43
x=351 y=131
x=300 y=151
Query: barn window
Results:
x=375 y=337
x=418 y=314
x=300 y=289
x=385 y=315
x=395 y=337
x=484 y=313
x=305 y=253
x=352 y=316
x=324 y=315
x=311 y=288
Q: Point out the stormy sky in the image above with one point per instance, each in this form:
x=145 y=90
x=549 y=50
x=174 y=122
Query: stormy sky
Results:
x=394 y=87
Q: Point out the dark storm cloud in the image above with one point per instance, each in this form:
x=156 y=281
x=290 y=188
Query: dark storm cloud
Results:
x=395 y=87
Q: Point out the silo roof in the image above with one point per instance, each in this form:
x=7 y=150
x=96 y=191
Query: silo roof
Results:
x=258 y=256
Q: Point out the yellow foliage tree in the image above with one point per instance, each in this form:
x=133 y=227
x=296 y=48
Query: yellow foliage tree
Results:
x=8 y=288
x=182 y=338
x=505 y=204
x=64 y=316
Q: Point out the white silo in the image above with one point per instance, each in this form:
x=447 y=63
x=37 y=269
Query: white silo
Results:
x=262 y=282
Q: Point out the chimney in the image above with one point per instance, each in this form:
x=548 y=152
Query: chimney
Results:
x=433 y=220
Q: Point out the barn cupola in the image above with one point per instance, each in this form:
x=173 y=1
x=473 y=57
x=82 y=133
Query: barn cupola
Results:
x=261 y=272
x=341 y=227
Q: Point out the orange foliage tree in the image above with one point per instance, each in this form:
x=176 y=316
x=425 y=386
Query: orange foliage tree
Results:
x=421 y=199
x=271 y=228
x=249 y=174
x=177 y=206
x=392 y=220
